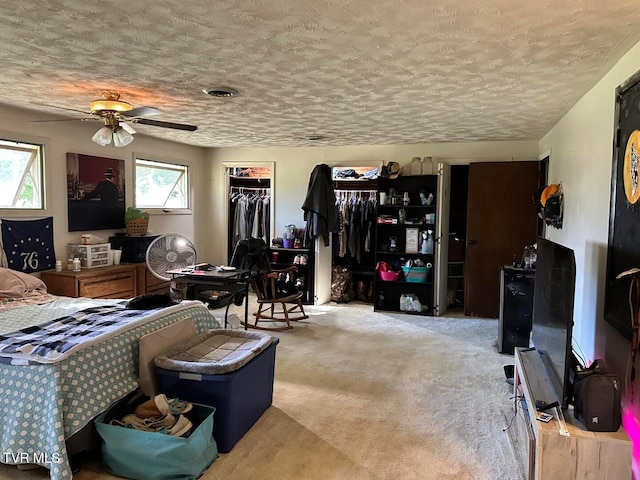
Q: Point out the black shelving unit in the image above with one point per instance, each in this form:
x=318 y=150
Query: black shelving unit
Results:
x=286 y=258
x=387 y=294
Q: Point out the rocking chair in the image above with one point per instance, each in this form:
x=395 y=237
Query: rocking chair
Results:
x=276 y=295
x=273 y=288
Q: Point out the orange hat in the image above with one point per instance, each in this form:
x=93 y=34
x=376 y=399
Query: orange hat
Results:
x=549 y=191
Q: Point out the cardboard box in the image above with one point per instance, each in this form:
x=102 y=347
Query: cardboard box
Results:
x=411 y=244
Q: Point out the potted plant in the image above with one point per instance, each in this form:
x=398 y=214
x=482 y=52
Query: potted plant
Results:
x=137 y=222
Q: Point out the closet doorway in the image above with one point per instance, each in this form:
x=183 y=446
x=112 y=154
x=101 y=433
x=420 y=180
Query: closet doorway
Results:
x=250 y=190
x=353 y=242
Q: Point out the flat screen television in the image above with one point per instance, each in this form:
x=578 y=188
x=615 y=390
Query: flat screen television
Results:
x=552 y=318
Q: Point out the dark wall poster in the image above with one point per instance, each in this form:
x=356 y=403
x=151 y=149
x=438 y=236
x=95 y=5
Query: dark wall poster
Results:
x=95 y=192
x=623 y=253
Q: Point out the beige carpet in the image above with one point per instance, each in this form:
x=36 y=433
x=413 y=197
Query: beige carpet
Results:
x=364 y=395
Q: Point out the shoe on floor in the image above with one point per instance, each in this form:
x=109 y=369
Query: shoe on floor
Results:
x=161 y=405
x=160 y=424
x=181 y=428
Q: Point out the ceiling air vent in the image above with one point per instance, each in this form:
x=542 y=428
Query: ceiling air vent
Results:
x=220 y=92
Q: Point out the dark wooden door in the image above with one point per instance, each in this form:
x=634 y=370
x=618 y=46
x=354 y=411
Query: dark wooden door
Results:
x=501 y=221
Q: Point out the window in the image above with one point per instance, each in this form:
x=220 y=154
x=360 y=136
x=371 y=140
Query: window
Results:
x=21 y=182
x=161 y=185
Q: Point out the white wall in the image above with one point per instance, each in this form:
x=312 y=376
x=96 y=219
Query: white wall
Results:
x=294 y=166
x=207 y=226
x=581 y=152
x=581 y=157
x=60 y=138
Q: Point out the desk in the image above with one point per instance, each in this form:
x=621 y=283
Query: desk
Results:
x=236 y=281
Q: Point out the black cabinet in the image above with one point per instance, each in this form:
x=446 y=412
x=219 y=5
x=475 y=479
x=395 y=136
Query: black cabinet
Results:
x=134 y=249
x=302 y=258
x=516 y=308
x=409 y=210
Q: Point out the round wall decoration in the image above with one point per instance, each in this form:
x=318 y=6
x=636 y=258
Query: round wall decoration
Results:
x=631 y=167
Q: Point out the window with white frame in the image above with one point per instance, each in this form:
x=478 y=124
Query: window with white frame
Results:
x=21 y=175
x=161 y=185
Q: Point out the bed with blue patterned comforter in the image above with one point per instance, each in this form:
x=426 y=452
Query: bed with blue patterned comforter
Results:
x=51 y=390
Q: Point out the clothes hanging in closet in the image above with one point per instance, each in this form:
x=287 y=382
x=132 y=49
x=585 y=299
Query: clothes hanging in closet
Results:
x=355 y=218
x=251 y=215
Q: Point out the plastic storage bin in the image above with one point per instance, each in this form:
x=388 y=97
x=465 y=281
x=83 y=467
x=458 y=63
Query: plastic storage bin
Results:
x=415 y=274
x=91 y=256
x=215 y=298
x=240 y=397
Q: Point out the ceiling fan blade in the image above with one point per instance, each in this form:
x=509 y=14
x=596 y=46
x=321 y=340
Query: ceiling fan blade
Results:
x=142 y=112
x=158 y=123
x=65 y=120
x=66 y=108
x=128 y=128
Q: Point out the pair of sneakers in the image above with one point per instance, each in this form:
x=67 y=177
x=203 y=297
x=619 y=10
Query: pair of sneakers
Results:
x=167 y=424
x=300 y=259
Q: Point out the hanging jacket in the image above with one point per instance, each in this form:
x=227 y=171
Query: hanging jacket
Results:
x=319 y=204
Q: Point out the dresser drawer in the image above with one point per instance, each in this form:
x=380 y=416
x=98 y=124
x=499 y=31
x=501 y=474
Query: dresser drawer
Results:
x=113 y=285
x=116 y=281
x=148 y=282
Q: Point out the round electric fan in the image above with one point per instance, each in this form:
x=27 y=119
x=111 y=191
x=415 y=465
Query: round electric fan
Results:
x=170 y=252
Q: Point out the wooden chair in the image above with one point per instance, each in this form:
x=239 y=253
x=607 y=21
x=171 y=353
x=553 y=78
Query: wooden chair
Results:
x=277 y=299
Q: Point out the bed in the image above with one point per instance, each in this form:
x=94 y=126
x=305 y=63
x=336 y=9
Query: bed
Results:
x=51 y=390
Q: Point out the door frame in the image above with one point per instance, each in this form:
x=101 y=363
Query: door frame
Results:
x=227 y=185
x=441 y=259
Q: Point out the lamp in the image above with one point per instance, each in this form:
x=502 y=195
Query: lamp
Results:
x=103 y=136
x=121 y=137
x=121 y=134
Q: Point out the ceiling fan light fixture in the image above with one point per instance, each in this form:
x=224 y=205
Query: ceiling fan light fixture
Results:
x=103 y=136
x=121 y=138
x=110 y=102
x=109 y=105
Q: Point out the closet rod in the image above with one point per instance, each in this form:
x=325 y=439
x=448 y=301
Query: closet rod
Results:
x=369 y=192
x=242 y=189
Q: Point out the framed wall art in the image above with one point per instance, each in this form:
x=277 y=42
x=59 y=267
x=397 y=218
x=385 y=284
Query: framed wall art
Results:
x=623 y=251
x=95 y=192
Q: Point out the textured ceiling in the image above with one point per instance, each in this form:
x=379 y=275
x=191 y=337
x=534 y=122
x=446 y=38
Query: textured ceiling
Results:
x=356 y=72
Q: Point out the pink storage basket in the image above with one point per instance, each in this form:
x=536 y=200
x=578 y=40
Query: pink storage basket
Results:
x=389 y=275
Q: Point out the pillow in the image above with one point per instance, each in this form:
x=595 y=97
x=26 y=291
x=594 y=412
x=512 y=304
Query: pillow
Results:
x=16 y=284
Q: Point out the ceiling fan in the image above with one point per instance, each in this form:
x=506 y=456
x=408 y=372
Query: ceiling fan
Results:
x=118 y=117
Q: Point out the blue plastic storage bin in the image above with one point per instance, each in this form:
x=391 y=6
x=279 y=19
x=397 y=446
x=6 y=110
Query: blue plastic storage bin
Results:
x=239 y=397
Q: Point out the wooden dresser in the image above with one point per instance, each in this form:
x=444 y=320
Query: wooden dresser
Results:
x=115 y=281
x=147 y=282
